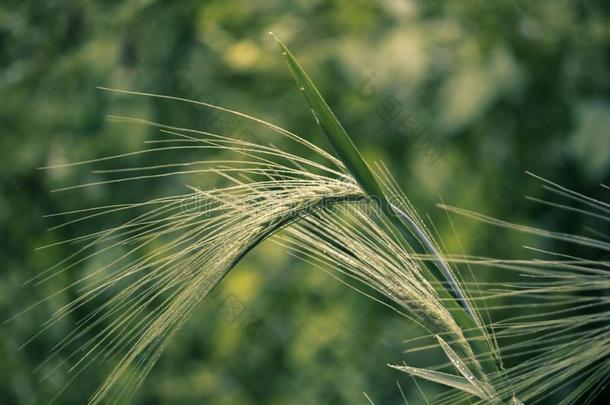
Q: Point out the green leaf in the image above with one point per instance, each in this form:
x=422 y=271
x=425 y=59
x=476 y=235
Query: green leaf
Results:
x=347 y=151
x=449 y=380
x=339 y=139
x=485 y=390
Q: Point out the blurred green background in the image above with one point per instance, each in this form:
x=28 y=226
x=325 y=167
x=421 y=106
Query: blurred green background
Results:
x=499 y=87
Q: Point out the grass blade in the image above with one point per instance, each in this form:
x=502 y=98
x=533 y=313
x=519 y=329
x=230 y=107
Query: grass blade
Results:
x=449 y=380
x=349 y=154
x=341 y=142
x=486 y=391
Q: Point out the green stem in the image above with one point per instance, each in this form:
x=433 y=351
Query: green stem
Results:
x=345 y=149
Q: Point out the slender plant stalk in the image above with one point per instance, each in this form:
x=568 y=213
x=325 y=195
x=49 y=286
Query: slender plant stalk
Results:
x=349 y=154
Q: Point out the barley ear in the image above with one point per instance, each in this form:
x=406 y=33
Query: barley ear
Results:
x=351 y=157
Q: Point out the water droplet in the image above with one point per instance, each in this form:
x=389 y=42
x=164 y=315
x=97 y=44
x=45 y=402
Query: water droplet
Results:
x=302 y=88
x=284 y=53
x=315 y=116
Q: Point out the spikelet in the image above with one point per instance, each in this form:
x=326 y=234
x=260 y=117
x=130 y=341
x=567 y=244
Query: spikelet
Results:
x=563 y=342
